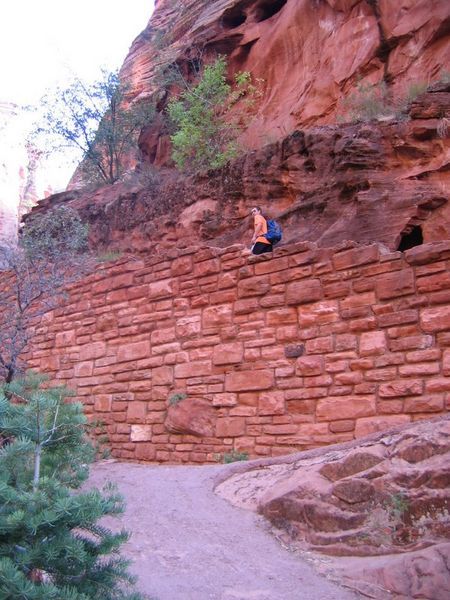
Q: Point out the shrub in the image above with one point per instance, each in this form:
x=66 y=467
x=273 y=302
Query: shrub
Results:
x=370 y=101
x=230 y=457
x=177 y=398
x=98 y=121
x=205 y=132
x=52 y=253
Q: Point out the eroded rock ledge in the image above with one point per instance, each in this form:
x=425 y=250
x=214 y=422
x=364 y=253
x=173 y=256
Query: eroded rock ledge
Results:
x=387 y=498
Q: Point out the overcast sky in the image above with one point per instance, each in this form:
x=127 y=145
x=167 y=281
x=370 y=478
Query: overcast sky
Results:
x=43 y=43
x=42 y=40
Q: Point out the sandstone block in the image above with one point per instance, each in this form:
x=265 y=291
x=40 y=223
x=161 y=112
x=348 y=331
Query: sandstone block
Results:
x=301 y=407
x=281 y=316
x=136 y=411
x=145 y=452
x=225 y=354
x=419 y=369
x=435 y=319
x=215 y=316
x=302 y=292
x=163 y=336
x=224 y=399
x=207 y=267
x=366 y=426
x=65 y=338
x=230 y=427
x=411 y=342
x=433 y=283
x=372 y=342
x=342 y=426
x=193 y=369
x=320 y=345
x=133 y=351
x=310 y=365
x=162 y=375
x=345 y=407
x=446 y=362
x=424 y=404
x=103 y=403
x=392 y=285
x=48 y=363
x=188 y=327
x=141 y=433
x=355 y=257
x=345 y=341
x=286 y=429
x=254 y=286
x=239 y=381
x=271 y=403
x=92 y=350
x=84 y=369
x=270 y=266
x=358 y=301
x=161 y=289
x=441 y=384
x=401 y=317
x=319 y=313
x=249 y=305
x=404 y=387
x=181 y=266
x=426 y=253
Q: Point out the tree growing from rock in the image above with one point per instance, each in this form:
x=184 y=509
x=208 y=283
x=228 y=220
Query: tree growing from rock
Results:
x=97 y=121
x=51 y=544
x=206 y=131
x=52 y=253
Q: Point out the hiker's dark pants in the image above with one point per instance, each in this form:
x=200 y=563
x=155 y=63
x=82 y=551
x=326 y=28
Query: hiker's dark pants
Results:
x=261 y=247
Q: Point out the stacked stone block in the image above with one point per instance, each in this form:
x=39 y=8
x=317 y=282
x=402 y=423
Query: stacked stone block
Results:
x=300 y=349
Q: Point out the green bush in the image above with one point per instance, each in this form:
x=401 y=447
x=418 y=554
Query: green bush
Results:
x=206 y=132
x=232 y=456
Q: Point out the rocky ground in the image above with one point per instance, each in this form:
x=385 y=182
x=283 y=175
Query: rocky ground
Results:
x=379 y=507
x=190 y=544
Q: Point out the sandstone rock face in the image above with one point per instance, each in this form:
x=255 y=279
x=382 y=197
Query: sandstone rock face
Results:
x=387 y=498
x=386 y=181
x=364 y=182
x=311 y=55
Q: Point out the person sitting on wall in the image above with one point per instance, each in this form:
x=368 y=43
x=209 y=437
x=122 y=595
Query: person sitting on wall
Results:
x=260 y=243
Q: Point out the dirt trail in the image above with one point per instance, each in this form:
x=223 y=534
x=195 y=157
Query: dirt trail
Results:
x=189 y=544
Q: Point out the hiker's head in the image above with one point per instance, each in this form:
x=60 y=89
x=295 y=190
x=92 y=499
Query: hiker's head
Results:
x=256 y=210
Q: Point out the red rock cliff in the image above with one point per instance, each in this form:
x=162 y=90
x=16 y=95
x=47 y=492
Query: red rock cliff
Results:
x=311 y=54
x=377 y=181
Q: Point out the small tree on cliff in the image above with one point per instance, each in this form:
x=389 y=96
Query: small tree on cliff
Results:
x=205 y=130
x=52 y=253
x=98 y=121
x=51 y=547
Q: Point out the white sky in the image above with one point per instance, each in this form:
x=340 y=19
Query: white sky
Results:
x=45 y=42
x=41 y=40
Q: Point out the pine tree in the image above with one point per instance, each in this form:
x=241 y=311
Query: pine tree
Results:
x=51 y=545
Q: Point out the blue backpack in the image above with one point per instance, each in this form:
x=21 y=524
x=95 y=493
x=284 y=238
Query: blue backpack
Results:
x=273 y=234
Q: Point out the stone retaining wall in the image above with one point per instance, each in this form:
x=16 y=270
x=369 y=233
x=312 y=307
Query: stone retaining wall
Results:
x=274 y=354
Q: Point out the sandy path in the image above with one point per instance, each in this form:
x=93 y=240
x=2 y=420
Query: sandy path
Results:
x=189 y=544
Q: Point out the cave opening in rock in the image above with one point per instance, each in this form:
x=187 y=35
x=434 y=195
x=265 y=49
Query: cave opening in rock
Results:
x=411 y=238
x=233 y=17
x=268 y=8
